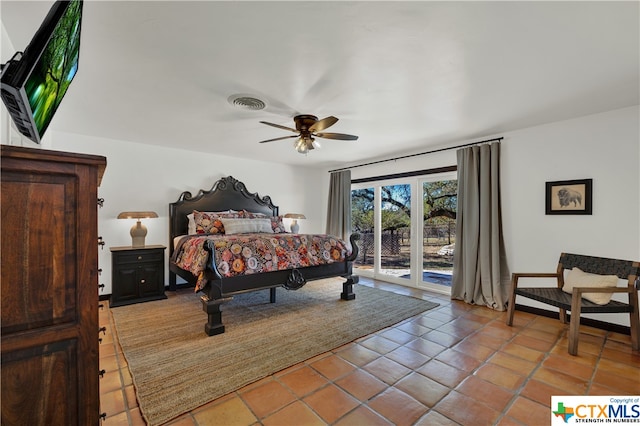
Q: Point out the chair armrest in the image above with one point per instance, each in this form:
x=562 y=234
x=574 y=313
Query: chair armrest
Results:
x=517 y=275
x=534 y=275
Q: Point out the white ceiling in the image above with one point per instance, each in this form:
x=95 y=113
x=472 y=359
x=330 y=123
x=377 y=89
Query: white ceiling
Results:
x=404 y=76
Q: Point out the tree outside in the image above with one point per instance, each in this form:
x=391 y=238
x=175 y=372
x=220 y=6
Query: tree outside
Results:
x=440 y=200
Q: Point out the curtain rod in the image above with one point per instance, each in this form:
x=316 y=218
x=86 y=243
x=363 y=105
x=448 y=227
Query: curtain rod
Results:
x=415 y=155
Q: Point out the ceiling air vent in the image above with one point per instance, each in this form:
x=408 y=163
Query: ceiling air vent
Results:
x=247 y=102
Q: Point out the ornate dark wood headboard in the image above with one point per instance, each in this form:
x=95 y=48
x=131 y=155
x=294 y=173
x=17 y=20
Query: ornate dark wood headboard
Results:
x=227 y=193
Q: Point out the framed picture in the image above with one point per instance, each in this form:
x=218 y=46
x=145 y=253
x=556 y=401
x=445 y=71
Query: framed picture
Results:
x=569 y=197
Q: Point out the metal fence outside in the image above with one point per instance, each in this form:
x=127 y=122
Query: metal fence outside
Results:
x=398 y=241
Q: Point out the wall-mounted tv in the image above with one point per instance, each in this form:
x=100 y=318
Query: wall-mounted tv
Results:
x=34 y=82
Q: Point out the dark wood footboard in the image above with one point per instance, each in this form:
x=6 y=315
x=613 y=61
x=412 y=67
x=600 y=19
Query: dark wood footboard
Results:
x=219 y=290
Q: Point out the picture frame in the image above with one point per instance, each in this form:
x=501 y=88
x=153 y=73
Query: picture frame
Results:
x=569 y=197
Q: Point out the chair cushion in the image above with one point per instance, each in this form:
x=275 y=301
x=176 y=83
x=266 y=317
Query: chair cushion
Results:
x=578 y=278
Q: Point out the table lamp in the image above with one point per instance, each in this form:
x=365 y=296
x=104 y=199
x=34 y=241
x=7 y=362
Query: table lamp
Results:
x=138 y=230
x=294 y=225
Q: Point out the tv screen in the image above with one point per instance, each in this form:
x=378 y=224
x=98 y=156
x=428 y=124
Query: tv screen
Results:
x=33 y=85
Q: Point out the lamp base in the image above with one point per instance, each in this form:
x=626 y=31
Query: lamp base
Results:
x=138 y=232
x=295 y=227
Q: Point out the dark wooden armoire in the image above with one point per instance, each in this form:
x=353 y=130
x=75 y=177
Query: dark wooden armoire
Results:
x=49 y=299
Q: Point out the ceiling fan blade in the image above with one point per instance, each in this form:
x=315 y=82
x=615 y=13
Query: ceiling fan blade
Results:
x=279 y=139
x=340 y=136
x=325 y=123
x=280 y=127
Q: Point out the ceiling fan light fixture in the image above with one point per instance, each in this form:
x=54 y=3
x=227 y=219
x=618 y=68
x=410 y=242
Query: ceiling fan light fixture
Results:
x=301 y=145
x=308 y=126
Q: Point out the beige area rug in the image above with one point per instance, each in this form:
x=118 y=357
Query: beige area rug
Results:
x=176 y=367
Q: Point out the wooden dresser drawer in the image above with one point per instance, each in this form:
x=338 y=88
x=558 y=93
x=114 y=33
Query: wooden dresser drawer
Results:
x=144 y=256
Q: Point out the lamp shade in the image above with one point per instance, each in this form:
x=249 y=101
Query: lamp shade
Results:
x=294 y=216
x=137 y=215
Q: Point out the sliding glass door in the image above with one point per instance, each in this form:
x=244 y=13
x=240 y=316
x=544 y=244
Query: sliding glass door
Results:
x=438 y=230
x=403 y=240
x=363 y=222
x=395 y=230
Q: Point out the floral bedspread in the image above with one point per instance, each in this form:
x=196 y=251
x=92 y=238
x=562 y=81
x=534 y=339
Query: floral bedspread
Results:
x=244 y=254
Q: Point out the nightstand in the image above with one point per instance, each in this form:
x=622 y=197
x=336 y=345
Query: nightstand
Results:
x=137 y=274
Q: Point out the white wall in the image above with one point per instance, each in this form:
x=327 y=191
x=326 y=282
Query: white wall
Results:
x=144 y=177
x=5 y=48
x=604 y=147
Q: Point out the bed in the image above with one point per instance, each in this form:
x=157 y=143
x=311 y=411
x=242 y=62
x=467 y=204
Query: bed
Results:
x=216 y=283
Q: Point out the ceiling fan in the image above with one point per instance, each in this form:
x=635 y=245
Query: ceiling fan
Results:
x=307 y=128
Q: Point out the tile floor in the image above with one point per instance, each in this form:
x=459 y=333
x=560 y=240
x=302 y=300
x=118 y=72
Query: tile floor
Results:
x=456 y=364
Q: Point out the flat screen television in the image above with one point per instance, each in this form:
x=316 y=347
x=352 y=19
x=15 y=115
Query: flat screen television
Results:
x=34 y=82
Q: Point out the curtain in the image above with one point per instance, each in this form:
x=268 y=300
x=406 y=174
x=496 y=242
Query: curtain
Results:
x=339 y=208
x=480 y=272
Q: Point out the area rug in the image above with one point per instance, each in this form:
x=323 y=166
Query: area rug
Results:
x=176 y=367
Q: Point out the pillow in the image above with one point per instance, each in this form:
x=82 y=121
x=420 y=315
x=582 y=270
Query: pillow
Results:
x=244 y=226
x=209 y=222
x=578 y=278
x=191 y=229
x=276 y=221
x=277 y=225
x=252 y=215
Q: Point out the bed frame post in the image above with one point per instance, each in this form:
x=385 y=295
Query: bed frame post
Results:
x=347 y=288
x=212 y=308
x=172 y=281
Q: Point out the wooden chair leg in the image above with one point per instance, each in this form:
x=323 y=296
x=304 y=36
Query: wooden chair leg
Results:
x=511 y=306
x=635 y=331
x=510 y=310
x=563 y=315
x=574 y=323
x=634 y=320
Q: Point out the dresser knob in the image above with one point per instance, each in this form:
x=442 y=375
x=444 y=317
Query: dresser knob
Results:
x=142 y=281
x=139 y=257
